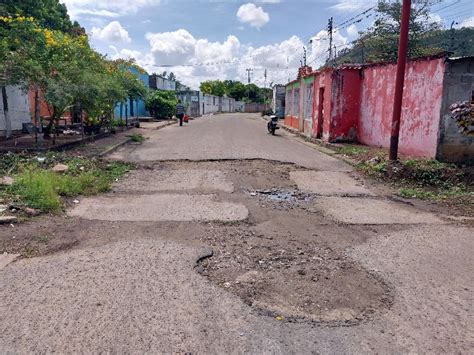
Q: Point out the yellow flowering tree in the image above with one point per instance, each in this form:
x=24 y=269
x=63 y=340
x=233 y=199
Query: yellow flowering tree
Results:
x=64 y=69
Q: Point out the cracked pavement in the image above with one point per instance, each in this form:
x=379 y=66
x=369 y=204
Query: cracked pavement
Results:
x=363 y=272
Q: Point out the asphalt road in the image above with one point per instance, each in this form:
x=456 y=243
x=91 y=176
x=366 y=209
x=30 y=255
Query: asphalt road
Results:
x=128 y=285
x=229 y=136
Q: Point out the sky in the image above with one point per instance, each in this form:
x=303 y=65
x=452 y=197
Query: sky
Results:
x=210 y=39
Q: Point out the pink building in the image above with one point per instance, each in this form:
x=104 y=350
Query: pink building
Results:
x=354 y=103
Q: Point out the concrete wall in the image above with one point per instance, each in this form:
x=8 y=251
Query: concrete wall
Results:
x=160 y=83
x=325 y=104
x=211 y=104
x=239 y=106
x=227 y=104
x=278 y=100
x=254 y=107
x=292 y=107
x=18 y=108
x=345 y=104
x=458 y=86
x=420 y=111
x=133 y=108
x=305 y=122
x=355 y=103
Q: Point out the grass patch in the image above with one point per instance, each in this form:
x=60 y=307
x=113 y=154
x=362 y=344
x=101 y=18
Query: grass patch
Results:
x=351 y=150
x=416 y=193
x=36 y=186
x=137 y=138
x=425 y=179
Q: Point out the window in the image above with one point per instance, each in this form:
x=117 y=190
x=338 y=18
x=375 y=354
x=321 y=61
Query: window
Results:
x=288 y=103
x=296 y=102
x=308 y=102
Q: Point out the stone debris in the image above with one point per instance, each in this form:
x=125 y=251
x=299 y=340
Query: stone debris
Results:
x=60 y=168
x=7 y=219
x=31 y=211
x=7 y=181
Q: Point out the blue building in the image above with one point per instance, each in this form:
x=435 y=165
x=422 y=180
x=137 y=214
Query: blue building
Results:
x=133 y=108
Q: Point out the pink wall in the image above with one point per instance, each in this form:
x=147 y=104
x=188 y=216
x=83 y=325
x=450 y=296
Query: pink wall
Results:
x=420 y=111
x=346 y=90
x=322 y=80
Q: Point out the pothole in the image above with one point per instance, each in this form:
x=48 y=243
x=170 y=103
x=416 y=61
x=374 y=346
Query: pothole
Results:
x=283 y=198
x=297 y=282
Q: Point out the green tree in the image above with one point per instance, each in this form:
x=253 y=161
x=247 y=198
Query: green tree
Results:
x=380 y=41
x=51 y=14
x=213 y=87
x=236 y=90
x=22 y=53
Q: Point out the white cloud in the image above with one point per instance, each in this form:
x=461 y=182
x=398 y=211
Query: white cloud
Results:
x=194 y=60
x=469 y=22
x=216 y=51
x=432 y=17
x=352 y=5
x=320 y=46
x=113 y=32
x=125 y=53
x=172 y=47
x=352 y=31
x=254 y=15
x=106 y=8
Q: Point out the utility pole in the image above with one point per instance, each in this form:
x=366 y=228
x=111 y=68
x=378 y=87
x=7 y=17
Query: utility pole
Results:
x=330 y=29
x=400 y=79
x=249 y=71
x=304 y=55
x=451 y=30
x=265 y=86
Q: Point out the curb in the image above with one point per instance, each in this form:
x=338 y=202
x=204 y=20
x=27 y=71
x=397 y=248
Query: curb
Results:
x=318 y=144
x=165 y=125
x=127 y=140
x=113 y=147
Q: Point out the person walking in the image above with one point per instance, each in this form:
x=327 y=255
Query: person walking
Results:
x=180 y=110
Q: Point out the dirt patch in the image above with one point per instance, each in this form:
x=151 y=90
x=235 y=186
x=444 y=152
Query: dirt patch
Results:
x=39 y=236
x=297 y=278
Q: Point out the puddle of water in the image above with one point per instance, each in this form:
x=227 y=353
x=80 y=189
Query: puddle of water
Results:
x=289 y=196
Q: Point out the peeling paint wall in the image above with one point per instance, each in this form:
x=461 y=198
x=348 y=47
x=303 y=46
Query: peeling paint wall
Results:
x=346 y=91
x=322 y=93
x=293 y=105
x=458 y=86
x=422 y=98
x=18 y=108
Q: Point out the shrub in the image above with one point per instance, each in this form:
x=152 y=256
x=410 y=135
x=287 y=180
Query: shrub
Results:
x=38 y=189
x=37 y=186
x=161 y=103
x=137 y=138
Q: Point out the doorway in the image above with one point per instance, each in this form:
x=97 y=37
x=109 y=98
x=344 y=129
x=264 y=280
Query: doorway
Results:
x=319 y=133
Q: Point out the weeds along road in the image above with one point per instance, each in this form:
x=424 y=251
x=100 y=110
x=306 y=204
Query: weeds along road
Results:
x=227 y=239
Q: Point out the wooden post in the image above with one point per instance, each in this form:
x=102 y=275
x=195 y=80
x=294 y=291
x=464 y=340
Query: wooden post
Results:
x=400 y=80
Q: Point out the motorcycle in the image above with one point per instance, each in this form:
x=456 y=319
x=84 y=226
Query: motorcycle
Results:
x=272 y=125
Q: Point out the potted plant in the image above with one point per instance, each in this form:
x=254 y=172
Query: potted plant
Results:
x=92 y=125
